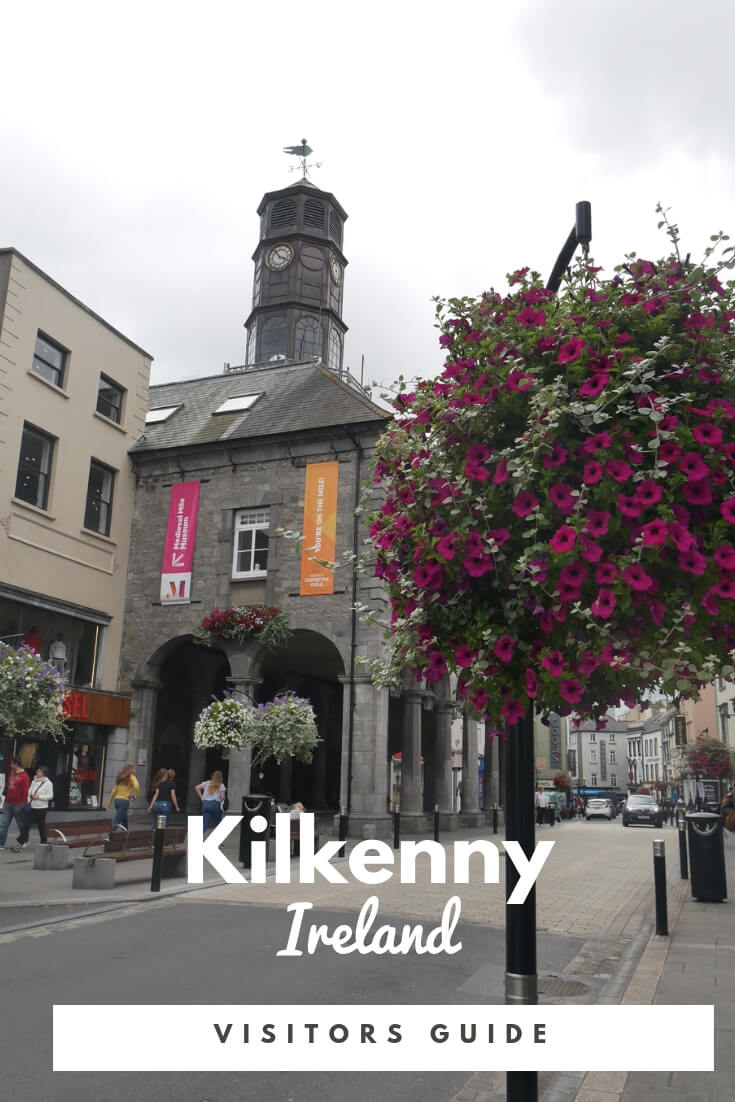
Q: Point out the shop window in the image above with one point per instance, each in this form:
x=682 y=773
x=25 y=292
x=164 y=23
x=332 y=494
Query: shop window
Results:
x=49 y=360
x=250 y=555
x=34 y=467
x=85 y=783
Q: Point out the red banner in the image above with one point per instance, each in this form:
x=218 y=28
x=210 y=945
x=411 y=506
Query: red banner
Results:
x=178 y=550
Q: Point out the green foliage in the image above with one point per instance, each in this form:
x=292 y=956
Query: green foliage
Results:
x=31 y=694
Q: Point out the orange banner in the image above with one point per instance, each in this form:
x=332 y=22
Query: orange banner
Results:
x=320 y=528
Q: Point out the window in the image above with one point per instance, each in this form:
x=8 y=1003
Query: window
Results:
x=34 y=467
x=252 y=339
x=110 y=399
x=593 y=757
x=155 y=416
x=314 y=213
x=98 y=510
x=612 y=737
x=593 y=736
x=593 y=780
x=273 y=340
x=612 y=758
x=335 y=351
x=335 y=226
x=614 y=780
x=49 y=360
x=283 y=214
x=308 y=338
x=237 y=402
x=250 y=553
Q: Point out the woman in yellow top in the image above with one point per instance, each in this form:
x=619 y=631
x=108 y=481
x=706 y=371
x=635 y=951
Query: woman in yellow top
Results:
x=125 y=790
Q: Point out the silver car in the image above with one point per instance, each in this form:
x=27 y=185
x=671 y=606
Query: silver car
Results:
x=599 y=809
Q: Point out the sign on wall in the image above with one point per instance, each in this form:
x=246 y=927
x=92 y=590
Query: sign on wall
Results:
x=178 y=549
x=320 y=528
x=680 y=730
x=555 y=740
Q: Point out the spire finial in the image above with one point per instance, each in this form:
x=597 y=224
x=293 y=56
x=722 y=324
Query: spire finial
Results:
x=302 y=152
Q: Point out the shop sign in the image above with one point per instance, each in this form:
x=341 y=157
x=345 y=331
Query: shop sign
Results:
x=98 y=708
x=320 y=528
x=178 y=549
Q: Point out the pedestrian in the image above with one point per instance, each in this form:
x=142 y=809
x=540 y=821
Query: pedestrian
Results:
x=672 y=812
x=16 y=803
x=125 y=791
x=163 y=795
x=212 y=794
x=40 y=795
x=540 y=802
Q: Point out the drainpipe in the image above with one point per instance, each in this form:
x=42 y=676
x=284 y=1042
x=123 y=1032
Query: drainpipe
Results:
x=353 y=637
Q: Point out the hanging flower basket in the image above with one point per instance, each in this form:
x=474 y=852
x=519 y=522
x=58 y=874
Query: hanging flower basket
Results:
x=710 y=757
x=558 y=525
x=281 y=729
x=562 y=782
x=31 y=694
x=243 y=622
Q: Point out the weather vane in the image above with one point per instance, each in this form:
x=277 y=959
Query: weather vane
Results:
x=302 y=152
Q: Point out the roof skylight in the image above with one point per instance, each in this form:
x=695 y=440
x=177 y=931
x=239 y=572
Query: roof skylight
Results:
x=237 y=402
x=155 y=416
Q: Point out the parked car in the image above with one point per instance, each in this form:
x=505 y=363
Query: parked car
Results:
x=599 y=809
x=643 y=809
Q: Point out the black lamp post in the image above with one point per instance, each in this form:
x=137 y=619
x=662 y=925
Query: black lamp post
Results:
x=521 y=979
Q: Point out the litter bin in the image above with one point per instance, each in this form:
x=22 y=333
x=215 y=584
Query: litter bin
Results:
x=255 y=803
x=706 y=856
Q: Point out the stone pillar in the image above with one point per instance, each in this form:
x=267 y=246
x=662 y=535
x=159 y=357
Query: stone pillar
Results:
x=492 y=778
x=238 y=774
x=444 y=710
x=413 y=819
x=319 y=776
x=141 y=730
x=366 y=796
x=470 y=815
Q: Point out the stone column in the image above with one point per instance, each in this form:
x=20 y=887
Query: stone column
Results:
x=492 y=778
x=238 y=774
x=141 y=729
x=444 y=710
x=368 y=761
x=413 y=819
x=470 y=815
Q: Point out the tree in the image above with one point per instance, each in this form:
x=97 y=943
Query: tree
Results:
x=558 y=516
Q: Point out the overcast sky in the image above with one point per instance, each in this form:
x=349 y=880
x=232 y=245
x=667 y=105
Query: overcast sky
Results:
x=138 y=139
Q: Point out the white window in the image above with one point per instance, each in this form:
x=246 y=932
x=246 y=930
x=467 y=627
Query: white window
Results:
x=593 y=780
x=612 y=758
x=250 y=551
x=593 y=757
x=614 y=780
x=154 y=416
x=612 y=737
x=238 y=402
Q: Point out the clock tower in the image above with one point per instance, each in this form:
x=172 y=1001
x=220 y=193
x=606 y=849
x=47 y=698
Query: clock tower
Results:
x=299 y=277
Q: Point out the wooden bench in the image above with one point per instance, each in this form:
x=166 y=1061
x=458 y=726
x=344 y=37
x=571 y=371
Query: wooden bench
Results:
x=65 y=835
x=97 y=870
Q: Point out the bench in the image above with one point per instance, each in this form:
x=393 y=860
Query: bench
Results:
x=65 y=835
x=97 y=870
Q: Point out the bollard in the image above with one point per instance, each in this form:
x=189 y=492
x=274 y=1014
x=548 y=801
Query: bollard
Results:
x=683 y=862
x=342 y=823
x=436 y=822
x=495 y=818
x=659 y=883
x=158 y=836
x=396 y=829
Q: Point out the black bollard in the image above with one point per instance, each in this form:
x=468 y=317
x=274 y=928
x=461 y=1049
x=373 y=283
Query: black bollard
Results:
x=495 y=818
x=436 y=822
x=396 y=829
x=342 y=823
x=683 y=862
x=158 y=836
x=659 y=883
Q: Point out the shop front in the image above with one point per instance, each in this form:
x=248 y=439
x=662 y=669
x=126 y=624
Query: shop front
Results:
x=77 y=765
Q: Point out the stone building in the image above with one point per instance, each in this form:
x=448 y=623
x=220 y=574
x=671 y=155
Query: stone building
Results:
x=73 y=396
x=231 y=460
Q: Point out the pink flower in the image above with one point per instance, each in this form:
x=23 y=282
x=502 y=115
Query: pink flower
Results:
x=574 y=573
x=518 y=380
x=710 y=603
x=599 y=442
x=477 y=565
x=504 y=647
x=724 y=556
x=589 y=663
x=697 y=493
x=501 y=473
x=629 y=507
x=590 y=388
x=618 y=470
x=447 y=546
x=567 y=592
x=512 y=711
x=681 y=537
x=553 y=662
x=428 y=576
x=657 y=610
x=570 y=351
x=531 y=683
x=693 y=466
x=606 y=573
x=538 y=570
x=592 y=472
x=476 y=471
x=691 y=562
x=499 y=535
x=636 y=577
x=557 y=458
x=726 y=590
x=708 y=435
x=463 y=656
x=561 y=495
x=655 y=305
x=596 y=522
x=530 y=317
x=669 y=452
x=648 y=492
x=727 y=508
x=571 y=690
x=604 y=604
x=655 y=534
x=478 y=699
x=437 y=666
x=524 y=503
x=590 y=551
x=478 y=453
x=565 y=537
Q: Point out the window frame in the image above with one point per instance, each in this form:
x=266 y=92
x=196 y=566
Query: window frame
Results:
x=241 y=525
x=42 y=338
x=44 y=473
x=106 y=502
x=120 y=390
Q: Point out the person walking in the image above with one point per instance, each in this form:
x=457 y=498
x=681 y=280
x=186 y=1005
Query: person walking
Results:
x=540 y=802
x=212 y=794
x=40 y=795
x=125 y=791
x=16 y=803
x=163 y=795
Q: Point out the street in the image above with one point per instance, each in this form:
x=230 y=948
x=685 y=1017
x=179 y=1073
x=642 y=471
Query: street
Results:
x=219 y=945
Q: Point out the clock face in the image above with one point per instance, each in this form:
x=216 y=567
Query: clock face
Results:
x=336 y=270
x=279 y=257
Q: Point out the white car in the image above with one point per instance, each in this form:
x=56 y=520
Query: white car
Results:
x=599 y=809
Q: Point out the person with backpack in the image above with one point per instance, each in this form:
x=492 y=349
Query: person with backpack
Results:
x=40 y=795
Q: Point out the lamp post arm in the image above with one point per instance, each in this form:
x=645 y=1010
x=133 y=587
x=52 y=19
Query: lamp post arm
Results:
x=580 y=234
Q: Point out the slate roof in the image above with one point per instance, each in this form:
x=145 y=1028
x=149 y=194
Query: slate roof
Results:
x=292 y=397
